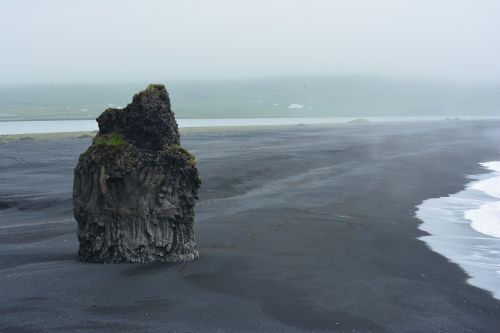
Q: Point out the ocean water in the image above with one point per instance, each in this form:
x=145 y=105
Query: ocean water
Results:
x=465 y=228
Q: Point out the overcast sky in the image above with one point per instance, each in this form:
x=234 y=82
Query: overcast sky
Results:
x=50 y=41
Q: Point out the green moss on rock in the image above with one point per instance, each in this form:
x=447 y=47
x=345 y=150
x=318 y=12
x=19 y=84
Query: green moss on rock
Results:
x=155 y=86
x=177 y=150
x=114 y=139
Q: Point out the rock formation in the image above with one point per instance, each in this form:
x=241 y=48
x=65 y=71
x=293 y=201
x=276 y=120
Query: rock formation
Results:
x=135 y=187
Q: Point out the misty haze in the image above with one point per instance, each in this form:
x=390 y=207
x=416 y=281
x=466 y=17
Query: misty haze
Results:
x=263 y=166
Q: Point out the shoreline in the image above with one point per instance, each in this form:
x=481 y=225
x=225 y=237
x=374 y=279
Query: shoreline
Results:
x=90 y=134
x=209 y=129
x=299 y=229
x=453 y=233
x=343 y=117
x=66 y=126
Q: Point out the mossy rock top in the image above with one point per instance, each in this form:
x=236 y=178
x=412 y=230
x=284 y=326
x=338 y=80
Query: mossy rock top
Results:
x=147 y=123
x=114 y=139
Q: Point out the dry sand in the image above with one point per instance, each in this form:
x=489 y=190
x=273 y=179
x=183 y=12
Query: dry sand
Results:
x=300 y=229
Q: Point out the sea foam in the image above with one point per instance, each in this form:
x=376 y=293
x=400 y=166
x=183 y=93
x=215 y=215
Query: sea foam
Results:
x=486 y=218
x=490 y=186
x=465 y=228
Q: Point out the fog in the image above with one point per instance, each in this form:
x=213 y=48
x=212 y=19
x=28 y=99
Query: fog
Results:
x=134 y=41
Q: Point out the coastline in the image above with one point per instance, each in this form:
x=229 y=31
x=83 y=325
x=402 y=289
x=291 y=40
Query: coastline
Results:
x=210 y=128
x=459 y=229
x=90 y=134
x=27 y=127
x=183 y=130
x=300 y=228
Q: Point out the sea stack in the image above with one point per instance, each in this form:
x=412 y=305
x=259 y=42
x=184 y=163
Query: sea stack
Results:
x=135 y=187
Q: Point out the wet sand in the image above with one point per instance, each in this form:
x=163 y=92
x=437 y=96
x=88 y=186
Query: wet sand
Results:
x=300 y=229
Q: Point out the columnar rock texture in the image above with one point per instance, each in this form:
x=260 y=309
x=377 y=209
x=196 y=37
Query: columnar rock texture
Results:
x=135 y=187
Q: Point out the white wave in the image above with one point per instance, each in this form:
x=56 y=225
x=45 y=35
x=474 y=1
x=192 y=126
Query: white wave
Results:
x=486 y=219
x=490 y=186
x=465 y=228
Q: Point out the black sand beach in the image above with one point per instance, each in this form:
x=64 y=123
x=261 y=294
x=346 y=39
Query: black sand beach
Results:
x=300 y=229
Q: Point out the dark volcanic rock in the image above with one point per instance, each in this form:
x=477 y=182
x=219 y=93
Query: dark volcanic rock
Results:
x=135 y=187
x=147 y=123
